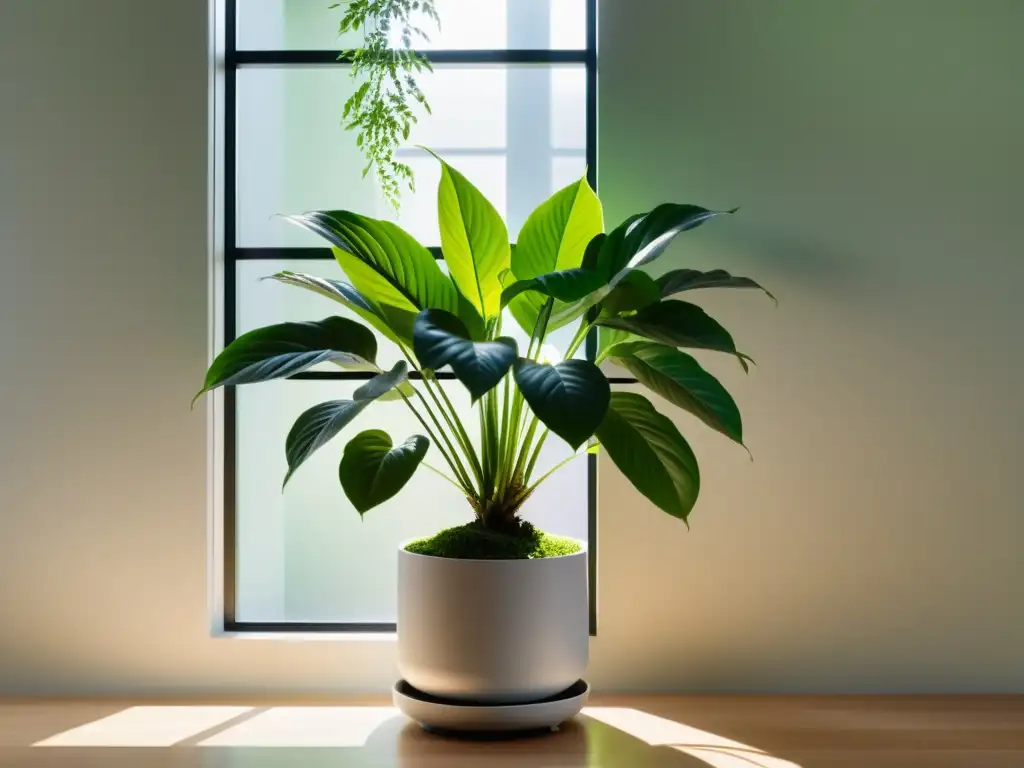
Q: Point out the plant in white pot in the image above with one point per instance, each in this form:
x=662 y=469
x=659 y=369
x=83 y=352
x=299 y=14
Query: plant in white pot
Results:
x=495 y=610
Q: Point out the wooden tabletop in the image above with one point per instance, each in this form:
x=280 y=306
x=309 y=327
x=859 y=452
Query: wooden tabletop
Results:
x=614 y=732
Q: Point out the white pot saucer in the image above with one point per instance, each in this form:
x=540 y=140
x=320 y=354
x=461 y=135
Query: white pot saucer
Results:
x=447 y=716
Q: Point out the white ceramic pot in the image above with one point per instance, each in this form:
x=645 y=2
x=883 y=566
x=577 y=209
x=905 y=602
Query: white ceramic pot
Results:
x=492 y=631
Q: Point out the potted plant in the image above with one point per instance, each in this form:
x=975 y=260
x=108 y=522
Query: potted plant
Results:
x=496 y=610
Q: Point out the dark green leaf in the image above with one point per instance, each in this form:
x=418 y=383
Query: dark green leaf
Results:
x=567 y=285
x=384 y=262
x=474 y=241
x=681 y=380
x=679 y=280
x=316 y=426
x=440 y=339
x=634 y=291
x=678 y=324
x=640 y=240
x=285 y=349
x=570 y=398
x=372 y=471
x=648 y=449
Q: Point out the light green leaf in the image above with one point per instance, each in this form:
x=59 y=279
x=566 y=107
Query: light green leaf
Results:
x=316 y=426
x=570 y=398
x=648 y=449
x=372 y=470
x=277 y=351
x=383 y=261
x=474 y=241
x=440 y=339
x=556 y=234
x=555 y=238
x=681 y=380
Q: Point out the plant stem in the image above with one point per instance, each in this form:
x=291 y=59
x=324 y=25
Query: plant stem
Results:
x=536 y=454
x=438 y=472
x=467 y=487
x=551 y=471
x=461 y=430
x=456 y=427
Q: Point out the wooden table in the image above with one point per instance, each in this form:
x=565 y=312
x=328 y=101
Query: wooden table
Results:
x=614 y=732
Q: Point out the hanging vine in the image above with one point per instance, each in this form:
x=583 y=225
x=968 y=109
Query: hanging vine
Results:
x=382 y=110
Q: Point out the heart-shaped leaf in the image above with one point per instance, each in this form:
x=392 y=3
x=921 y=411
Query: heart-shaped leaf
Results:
x=277 y=351
x=648 y=449
x=372 y=471
x=678 y=324
x=384 y=262
x=316 y=426
x=392 y=322
x=681 y=380
x=571 y=398
x=636 y=290
x=440 y=339
x=568 y=285
x=640 y=240
x=679 y=280
x=474 y=241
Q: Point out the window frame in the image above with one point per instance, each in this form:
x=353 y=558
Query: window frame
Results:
x=226 y=308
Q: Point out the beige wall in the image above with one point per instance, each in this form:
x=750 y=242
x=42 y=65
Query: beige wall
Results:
x=873 y=545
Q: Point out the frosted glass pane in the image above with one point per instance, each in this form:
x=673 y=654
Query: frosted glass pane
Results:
x=568 y=24
x=567 y=170
x=293 y=154
x=262 y=302
x=465 y=25
x=569 y=108
x=305 y=555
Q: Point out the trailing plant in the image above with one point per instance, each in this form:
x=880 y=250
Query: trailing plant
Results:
x=564 y=270
x=381 y=111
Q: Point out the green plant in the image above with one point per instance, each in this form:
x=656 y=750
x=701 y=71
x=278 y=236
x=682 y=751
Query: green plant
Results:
x=381 y=109
x=563 y=270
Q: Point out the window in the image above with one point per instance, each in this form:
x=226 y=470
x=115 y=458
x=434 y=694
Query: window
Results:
x=514 y=99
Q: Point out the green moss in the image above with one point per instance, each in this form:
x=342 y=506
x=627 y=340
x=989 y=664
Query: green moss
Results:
x=474 y=542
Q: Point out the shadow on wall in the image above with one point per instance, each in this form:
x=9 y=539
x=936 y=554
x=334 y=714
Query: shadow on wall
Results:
x=321 y=735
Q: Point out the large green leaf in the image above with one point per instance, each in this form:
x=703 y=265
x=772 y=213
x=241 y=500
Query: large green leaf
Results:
x=316 y=426
x=648 y=449
x=641 y=239
x=474 y=241
x=567 y=285
x=277 y=351
x=554 y=238
x=680 y=379
x=636 y=290
x=440 y=339
x=571 y=398
x=679 y=280
x=678 y=324
x=383 y=261
x=372 y=470
x=556 y=234
x=392 y=322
